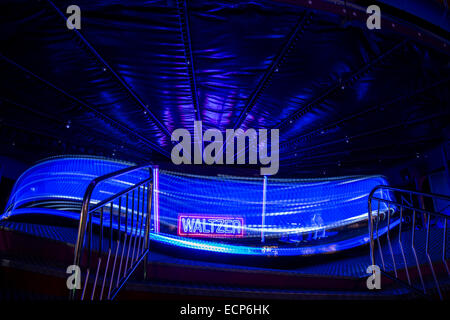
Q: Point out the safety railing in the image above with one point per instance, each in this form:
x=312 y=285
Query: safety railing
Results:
x=415 y=253
x=113 y=234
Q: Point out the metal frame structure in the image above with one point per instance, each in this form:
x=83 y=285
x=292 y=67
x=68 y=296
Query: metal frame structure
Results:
x=148 y=113
x=409 y=204
x=291 y=41
x=323 y=129
x=125 y=249
x=182 y=7
x=117 y=125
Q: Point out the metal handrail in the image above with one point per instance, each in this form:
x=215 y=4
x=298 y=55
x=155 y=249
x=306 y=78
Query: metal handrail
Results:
x=85 y=211
x=429 y=213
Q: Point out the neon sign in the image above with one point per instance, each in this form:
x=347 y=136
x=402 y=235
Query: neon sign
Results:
x=197 y=225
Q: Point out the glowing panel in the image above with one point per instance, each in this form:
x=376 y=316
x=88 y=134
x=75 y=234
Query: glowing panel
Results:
x=264 y=216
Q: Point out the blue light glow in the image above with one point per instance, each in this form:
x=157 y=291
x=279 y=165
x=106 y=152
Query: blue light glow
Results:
x=282 y=216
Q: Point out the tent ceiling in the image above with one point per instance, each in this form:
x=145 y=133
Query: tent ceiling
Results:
x=342 y=96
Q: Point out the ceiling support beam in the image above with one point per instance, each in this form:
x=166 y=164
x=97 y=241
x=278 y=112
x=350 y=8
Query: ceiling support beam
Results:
x=263 y=83
x=350 y=80
x=338 y=86
x=115 y=124
x=48 y=137
x=123 y=83
x=349 y=166
x=413 y=142
x=371 y=133
x=186 y=36
x=393 y=19
x=357 y=115
x=62 y=123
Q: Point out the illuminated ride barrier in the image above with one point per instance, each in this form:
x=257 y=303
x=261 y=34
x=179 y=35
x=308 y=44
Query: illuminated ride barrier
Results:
x=424 y=248
x=222 y=214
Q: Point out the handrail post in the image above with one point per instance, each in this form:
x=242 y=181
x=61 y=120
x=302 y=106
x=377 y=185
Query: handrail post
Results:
x=371 y=241
x=82 y=228
x=370 y=223
x=263 y=215
x=147 y=227
x=86 y=211
x=429 y=213
x=155 y=170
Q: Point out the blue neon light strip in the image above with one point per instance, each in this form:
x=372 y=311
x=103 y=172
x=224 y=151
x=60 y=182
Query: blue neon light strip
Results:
x=266 y=250
x=292 y=207
x=305 y=209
